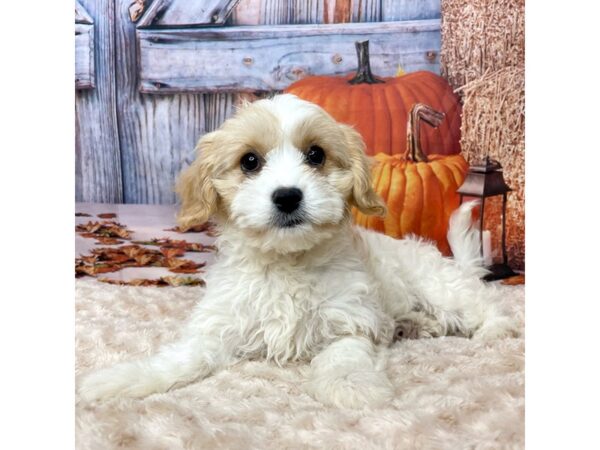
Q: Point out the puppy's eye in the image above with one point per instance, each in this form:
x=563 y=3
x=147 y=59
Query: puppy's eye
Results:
x=315 y=156
x=250 y=162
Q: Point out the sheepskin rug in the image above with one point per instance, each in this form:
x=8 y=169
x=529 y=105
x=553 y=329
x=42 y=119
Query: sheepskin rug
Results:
x=450 y=393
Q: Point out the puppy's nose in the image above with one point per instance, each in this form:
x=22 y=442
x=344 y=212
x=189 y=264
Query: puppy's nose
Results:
x=287 y=200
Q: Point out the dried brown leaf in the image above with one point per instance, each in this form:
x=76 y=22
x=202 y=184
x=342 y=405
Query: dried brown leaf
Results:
x=172 y=252
x=208 y=227
x=160 y=282
x=104 y=229
x=513 y=281
x=107 y=240
x=181 y=244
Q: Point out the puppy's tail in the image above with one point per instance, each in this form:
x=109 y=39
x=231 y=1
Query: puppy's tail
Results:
x=464 y=240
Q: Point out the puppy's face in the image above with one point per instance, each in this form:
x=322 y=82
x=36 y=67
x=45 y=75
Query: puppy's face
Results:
x=283 y=172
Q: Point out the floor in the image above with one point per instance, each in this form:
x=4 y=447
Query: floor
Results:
x=448 y=392
x=146 y=222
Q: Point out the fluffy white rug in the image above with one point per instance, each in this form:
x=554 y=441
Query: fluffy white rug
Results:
x=451 y=393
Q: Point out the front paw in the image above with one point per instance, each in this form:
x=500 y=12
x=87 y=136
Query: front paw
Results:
x=498 y=328
x=355 y=390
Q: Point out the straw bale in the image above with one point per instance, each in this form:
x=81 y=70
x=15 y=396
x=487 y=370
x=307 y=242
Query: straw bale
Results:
x=493 y=124
x=481 y=36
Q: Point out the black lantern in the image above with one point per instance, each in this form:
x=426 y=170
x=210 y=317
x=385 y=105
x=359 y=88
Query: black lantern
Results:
x=486 y=180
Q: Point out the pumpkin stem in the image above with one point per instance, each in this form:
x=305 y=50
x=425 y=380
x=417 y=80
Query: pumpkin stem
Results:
x=363 y=73
x=430 y=116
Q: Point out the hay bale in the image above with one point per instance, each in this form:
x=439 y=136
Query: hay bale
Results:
x=493 y=124
x=481 y=36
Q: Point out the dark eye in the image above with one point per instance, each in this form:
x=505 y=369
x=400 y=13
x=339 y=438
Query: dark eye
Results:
x=250 y=162
x=315 y=156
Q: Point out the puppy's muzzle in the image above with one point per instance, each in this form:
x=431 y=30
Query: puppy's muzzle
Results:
x=287 y=200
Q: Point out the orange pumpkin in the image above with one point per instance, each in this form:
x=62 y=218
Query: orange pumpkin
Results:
x=419 y=190
x=378 y=107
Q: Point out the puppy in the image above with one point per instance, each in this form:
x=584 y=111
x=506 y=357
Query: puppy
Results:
x=293 y=279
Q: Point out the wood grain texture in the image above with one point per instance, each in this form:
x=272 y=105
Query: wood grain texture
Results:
x=131 y=146
x=366 y=10
x=410 y=9
x=220 y=106
x=337 y=11
x=273 y=12
x=98 y=160
x=81 y=15
x=84 y=56
x=271 y=57
x=170 y=13
x=157 y=133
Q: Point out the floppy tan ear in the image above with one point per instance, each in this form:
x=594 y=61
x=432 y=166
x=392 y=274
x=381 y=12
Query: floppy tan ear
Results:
x=363 y=196
x=196 y=189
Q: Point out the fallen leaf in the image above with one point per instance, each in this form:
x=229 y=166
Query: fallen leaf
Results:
x=181 y=244
x=104 y=229
x=87 y=235
x=81 y=268
x=208 y=227
x=80 y=214
x=513 y=281
x=160 y=282
x=177 y=265
x=146 y=259
x=172 y=252
x=106 y=215
x=107 y=240
x=133 y=250
x=112 y=259
x=183 y=281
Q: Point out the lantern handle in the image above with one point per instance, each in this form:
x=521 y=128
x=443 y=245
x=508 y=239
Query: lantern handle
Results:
x=419 y=112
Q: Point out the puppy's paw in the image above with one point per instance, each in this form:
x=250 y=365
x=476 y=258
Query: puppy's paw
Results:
x=356 y=390
x=498 y=328
x=417 y=325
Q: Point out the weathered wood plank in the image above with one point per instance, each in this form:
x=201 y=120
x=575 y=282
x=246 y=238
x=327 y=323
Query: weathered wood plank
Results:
x=81 y=15
x=84 y=56
x=157 y=134
x=265 y=12
x=337 y=11
x=169 y=13
x=272 y=57
x=97 y=156
x=366 y=10
x=410 y=9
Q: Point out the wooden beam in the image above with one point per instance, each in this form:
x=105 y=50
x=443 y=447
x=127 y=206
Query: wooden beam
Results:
x=410 y=9
x=98 y=158
x=262 y=58
x=81 y=15
x=179 y=13
x=84 y=56
x=157 y=134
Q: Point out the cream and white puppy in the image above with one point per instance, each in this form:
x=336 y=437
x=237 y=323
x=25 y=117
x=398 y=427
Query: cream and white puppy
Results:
x=293 y=280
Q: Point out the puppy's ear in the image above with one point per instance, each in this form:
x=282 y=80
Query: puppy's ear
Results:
x=363 y=196
x=195 y=187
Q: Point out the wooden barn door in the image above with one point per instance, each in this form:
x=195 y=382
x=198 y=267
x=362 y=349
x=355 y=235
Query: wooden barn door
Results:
x=131 y=145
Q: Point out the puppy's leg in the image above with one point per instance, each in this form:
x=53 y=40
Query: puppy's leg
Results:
x=174 y=365
x=348 y=373
x=416 y=325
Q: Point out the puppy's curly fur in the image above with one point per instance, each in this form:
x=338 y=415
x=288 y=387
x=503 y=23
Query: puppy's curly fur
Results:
x=315 y=288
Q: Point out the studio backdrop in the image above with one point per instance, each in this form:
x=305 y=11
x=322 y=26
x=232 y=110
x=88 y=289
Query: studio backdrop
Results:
x=433 y=87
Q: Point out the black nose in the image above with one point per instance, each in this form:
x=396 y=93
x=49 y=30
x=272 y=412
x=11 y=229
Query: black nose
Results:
x=287 y=200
